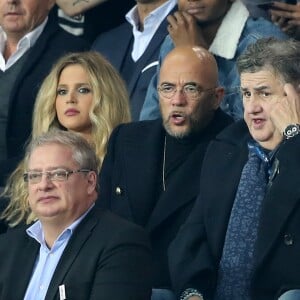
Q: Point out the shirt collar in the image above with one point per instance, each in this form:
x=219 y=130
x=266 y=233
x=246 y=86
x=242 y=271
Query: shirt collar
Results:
x=228 y=35
x=3 y=38
x=28 y=40
x=159 y=13
x=32 y=36
x=36 y=230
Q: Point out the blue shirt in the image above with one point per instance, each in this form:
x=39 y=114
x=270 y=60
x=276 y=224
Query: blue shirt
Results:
x=47 y=259
x=236 y=32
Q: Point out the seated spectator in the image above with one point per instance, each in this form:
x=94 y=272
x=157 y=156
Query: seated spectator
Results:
x=223 y=27
x=69 y=253
x=88 y=19
x=241 y=238
x=30 y=43
x=133 y=47
x=79 y=95
x=150 y=174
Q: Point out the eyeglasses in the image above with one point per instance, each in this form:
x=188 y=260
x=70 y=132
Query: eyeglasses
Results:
x=190 y=91
x=54 y=175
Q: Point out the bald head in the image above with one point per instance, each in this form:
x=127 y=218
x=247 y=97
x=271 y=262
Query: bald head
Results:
x=187 y=59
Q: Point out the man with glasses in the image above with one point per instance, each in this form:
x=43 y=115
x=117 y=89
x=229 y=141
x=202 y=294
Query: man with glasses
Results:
x=151 y=171
x=241 y=240
x=225 y=29
x=69 y=253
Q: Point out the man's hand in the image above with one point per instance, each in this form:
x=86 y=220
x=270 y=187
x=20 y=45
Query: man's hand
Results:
x=184 y=30
x=286 y=110
x=75 y=7
x=287 y=17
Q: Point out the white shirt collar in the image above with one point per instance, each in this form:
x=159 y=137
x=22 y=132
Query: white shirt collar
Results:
x=158 y=14
x=26 y=42
x=151 y=23
x=29 y=39
x=228 y=35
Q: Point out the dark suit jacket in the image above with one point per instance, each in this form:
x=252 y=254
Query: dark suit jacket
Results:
x=131 y=173
x=195 y=253
x=52 y=44
x=106 y=258
x=115 y=45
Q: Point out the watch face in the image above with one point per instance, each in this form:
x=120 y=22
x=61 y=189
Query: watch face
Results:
x=291 y=130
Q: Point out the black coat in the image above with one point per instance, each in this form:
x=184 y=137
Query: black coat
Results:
x=105 y=258
x=195 y=253
x=131 y=173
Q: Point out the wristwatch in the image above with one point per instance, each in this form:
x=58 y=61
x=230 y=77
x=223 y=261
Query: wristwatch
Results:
x=188 y=293
x=291 y=130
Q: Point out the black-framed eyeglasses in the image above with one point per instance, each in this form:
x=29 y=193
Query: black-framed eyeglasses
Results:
x=53 y=175
x=190 y=91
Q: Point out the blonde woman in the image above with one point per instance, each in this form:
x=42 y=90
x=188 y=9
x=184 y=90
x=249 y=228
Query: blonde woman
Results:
x=83 y=93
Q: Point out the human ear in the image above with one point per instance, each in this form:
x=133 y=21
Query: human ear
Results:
x=219 y=95
x=92 y=182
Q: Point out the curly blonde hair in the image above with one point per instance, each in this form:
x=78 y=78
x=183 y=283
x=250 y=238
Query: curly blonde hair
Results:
x=110 y=107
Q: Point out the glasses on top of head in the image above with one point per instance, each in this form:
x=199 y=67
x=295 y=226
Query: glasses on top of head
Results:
x=191 y=91
x=53 y=175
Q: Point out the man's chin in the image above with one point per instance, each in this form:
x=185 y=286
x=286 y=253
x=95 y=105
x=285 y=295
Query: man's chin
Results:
x=177 y=133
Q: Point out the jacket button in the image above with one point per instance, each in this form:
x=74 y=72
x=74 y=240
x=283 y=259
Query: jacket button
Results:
x=118 y=191
x=288 y=239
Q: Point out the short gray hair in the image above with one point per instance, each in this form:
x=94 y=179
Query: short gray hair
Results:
x=279 y=56
x=83 y=153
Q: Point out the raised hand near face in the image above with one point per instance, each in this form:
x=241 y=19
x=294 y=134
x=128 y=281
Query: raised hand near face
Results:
x=184 y=30
x=287 y=17
x=286 y=110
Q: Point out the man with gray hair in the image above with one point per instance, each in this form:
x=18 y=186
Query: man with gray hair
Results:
x=241 y=240
x=68 y=253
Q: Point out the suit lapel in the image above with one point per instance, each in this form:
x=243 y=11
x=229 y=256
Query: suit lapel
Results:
x=277 y=208
x=222 y=189
x=149 y=55
x=23 y=268
x=118 y=53
x=81 y=234
x=36 y=52
x=143 y=183
x=181 y=189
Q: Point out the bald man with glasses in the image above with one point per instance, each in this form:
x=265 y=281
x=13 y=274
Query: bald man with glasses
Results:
x=150 y=174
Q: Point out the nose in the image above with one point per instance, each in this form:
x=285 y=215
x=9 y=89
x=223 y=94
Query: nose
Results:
x=252 y=105
x=179 y=98
x=72 y=97
x=45 y=184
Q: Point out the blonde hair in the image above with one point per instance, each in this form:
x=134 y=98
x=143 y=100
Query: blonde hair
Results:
x=110 y=108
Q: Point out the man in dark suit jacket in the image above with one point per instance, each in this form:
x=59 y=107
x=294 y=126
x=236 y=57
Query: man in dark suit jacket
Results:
x=24 y=76
x=74 y=251
x=122 y=46
x=272 y=118
x=151 y=171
